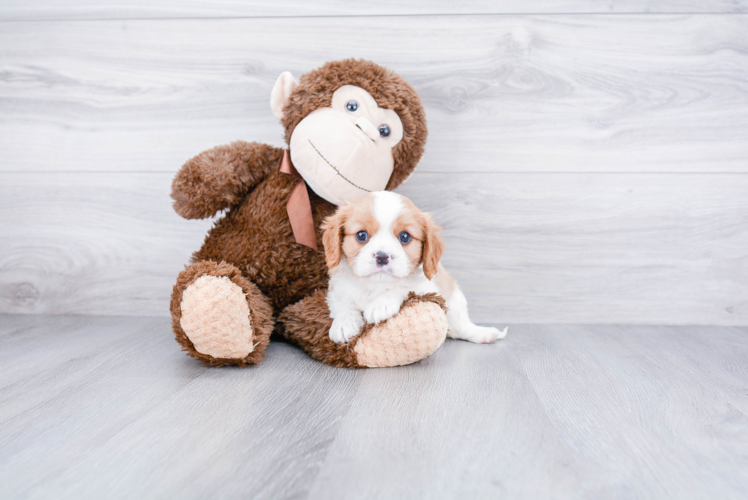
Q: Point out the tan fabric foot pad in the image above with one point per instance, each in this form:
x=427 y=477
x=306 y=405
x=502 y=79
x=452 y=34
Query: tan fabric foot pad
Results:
x=220 y=317
x=411 y=335
x=414 y=333
x=215 y=317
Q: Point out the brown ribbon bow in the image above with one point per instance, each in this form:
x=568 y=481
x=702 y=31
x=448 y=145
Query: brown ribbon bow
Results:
x=299 y=207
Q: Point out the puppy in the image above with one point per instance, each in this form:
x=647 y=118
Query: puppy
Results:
x=377 y=250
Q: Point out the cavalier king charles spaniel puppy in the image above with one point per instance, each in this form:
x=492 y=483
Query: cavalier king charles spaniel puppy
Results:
x=379 y=249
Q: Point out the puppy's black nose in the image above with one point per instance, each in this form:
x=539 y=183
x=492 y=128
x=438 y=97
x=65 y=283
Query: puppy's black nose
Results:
x=382 y=259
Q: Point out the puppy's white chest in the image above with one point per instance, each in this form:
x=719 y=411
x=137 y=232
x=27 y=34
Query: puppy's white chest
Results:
x=365 y=293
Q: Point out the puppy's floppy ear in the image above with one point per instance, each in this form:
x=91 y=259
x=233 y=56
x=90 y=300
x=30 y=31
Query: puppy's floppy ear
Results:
x=332 y=238
x=433 y=247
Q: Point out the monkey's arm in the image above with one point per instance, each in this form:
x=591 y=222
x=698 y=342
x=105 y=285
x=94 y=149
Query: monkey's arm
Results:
x=218 y=178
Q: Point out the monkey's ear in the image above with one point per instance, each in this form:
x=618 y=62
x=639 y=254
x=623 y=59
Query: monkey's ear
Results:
x=284 y=85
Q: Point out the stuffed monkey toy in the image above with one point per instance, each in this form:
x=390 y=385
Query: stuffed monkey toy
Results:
x=351 y=127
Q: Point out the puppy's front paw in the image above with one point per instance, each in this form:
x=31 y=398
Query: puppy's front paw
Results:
x=483 y=334
x=382 y=309
x=344 y=328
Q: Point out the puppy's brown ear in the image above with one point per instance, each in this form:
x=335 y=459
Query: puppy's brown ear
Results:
x=332 y=238
x=433 y=247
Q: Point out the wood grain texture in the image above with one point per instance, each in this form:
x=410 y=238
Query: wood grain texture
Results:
x=91 y=243
x=133 y=417
x=17 y=10
x=639 y=380
x=550 y=138
x=571 y=93
x=595 y=248
x=554 y=412
x=109 y=407
x=468 y=424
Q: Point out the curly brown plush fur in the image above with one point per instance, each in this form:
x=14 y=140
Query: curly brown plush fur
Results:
x=220 y=177
x=253 y=244
x=256 y=237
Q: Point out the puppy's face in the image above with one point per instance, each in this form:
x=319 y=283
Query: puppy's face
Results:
x=384 y=236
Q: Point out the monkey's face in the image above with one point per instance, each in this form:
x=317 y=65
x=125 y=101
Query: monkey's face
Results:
x=345 y=151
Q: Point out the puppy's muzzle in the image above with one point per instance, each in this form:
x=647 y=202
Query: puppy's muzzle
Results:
x=382 y=259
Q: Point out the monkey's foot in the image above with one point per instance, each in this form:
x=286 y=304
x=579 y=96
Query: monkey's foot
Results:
x=411 y=335
x=219 y=316
x=215 y=317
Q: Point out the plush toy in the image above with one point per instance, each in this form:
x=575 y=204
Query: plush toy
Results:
x=352 y=127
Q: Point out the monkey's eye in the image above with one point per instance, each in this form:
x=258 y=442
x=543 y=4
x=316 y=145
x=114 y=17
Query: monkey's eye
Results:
x=362 y=236
x=352 y=106
x=384 y=130
x=404 y=238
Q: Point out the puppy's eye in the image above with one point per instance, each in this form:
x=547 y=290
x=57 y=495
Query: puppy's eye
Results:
x=404 y=238
x=384 y=130
x=352 y=106
x=362 y=236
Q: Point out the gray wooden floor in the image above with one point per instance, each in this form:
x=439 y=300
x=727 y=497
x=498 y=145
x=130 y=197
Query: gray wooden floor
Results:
x=94 y=407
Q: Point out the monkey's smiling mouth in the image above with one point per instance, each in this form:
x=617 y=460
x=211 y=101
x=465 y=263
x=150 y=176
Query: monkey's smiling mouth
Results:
x=336 y=170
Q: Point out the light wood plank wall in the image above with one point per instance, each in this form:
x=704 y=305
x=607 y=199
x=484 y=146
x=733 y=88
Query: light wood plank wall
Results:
x=588 y=160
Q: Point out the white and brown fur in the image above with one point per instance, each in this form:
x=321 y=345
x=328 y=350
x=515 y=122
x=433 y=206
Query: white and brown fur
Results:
x=369 y=280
